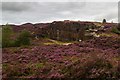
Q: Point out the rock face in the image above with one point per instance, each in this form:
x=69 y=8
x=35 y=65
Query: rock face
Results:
x=66 y=31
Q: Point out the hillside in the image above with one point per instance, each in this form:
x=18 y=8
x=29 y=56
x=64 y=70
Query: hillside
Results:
x=95 y=58
x=65 y=30
x=63 y=49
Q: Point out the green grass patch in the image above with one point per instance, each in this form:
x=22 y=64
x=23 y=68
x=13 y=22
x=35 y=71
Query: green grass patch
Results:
x=36 y=65
x=55 y=42
x=115 y=30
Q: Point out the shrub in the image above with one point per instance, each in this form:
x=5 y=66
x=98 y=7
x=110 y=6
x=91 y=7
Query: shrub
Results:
x=16 y=71
x=104 y=21
x=115 y=30
x=23 y=38
x=7 y=41
x=6 y=36
x=118 y=27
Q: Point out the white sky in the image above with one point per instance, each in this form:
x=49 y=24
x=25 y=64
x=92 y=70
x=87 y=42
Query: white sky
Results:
x=43 y=11
x=60 y=0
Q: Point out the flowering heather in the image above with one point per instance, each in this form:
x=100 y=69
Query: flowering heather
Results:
x=95 y=58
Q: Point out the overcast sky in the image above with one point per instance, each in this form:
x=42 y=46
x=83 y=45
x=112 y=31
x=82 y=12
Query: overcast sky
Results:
x=34 y=12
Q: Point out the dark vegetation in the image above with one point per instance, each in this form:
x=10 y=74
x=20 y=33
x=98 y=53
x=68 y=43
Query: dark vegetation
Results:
x=9 y=39
x=6 y=34
x=23 y=38
x=116 y=30
x=104 y=21
x=90 y=54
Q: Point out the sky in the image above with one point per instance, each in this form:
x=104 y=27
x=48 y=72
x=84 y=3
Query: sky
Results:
x=42 y=12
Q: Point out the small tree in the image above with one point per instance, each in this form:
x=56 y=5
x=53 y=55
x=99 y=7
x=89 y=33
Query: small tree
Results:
x=6 y=36
x=104 y=20
x=118 y=26
x=23 y=38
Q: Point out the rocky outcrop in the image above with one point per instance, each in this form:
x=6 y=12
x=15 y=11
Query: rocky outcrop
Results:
x=61 y=30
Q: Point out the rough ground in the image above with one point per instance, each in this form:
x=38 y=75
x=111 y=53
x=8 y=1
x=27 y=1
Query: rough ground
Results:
x=95 y=58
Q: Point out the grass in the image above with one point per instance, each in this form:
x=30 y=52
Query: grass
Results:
x=53 y=42
x=35 y=65
x=108 y=34
x=16 y=70
x=115 y=30
x=14 y=50
x=72 y=59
